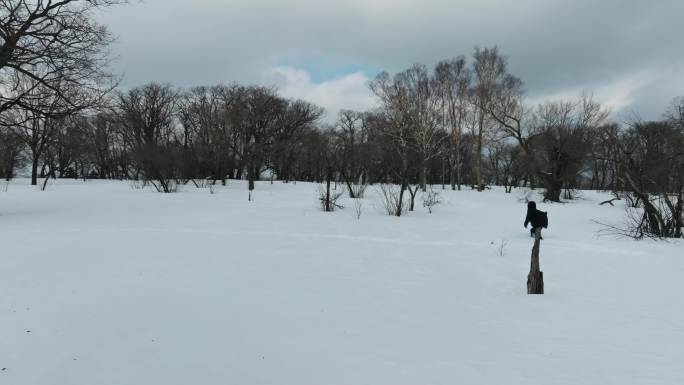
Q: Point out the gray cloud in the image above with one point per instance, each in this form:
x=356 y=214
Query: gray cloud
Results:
x=630 y=53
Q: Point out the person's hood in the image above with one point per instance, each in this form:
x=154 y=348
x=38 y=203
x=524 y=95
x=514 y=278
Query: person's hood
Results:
x=531 y=206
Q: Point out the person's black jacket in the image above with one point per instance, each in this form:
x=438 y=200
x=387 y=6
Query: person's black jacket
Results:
x=536 y=217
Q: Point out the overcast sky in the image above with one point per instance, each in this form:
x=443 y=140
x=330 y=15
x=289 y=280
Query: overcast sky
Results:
x=629 y=54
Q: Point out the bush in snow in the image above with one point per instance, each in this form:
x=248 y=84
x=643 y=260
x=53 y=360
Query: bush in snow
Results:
x=430 y=199
x=358 y=208
x=328 y=199
x=391 y=199
x=502 y=247
x=357 y=190
x=656 y=217
x=137 y=184
x=203 y=183
x=165 y=185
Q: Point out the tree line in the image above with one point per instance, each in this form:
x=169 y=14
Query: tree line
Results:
x=464 y=122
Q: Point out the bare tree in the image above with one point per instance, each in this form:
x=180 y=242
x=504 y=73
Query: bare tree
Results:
x=59 y=46
x=604 y=158
x=423 y=114
x=505 y=161
x=489 y=69
x=35 y=121
x=453 y=80
x=207 y=133
x=254 y=117
x=105 y=149
x=70 y=157
x=556 y=137
x=352 y=134
x=394 y=121
x=328 y=152
x=653 y=172
x=11 y=153
x=410 y=119
x=564 y=139
x=148 y=118
x=297 y=119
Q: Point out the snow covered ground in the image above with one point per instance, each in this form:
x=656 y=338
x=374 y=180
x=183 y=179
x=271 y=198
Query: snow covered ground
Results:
x=103 y=284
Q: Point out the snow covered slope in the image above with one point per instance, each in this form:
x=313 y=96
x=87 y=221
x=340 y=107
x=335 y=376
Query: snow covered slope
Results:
x=101 y=284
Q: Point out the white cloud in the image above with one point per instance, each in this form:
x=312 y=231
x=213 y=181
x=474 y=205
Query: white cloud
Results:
x=553 y=45
x=616 y=96
x=644 y=93
x=345 y=92
x=620 y=96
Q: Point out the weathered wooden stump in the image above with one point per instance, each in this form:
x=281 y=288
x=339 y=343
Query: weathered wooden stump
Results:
x=535 y=279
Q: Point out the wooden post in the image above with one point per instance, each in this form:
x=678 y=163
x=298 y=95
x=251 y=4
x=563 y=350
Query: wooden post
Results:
x=535 y=279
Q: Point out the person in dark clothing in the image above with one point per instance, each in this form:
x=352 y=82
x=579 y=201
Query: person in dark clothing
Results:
x=537 y=218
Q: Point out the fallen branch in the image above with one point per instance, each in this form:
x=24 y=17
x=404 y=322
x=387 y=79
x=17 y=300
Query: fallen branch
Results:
x=610 y=201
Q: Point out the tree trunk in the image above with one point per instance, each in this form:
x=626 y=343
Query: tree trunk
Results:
x=400 y=204
x=47 y=178
x=350 y=184
x=9 y=173
x=423 y=175
x=251 y=177
x=553 y=191
x=34 y=172
x=478 y=154
x=678 y=216
x=459 y=167
x=452 y=176
x=535 y=279
x=478 y=167
x=443 y=176
x=327 y=190
x=413 y=193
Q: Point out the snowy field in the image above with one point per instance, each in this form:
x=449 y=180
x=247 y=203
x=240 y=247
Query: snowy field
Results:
x=102 y=284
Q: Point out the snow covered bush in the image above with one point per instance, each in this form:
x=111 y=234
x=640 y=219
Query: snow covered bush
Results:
x=358 y=208
x=358 y=190
x=391 y=198
x=328 y=199
x=203 y=182
x=430 y=199
x=655 y=217
x=165 y=185
x=501 y=250
x=137 y=184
